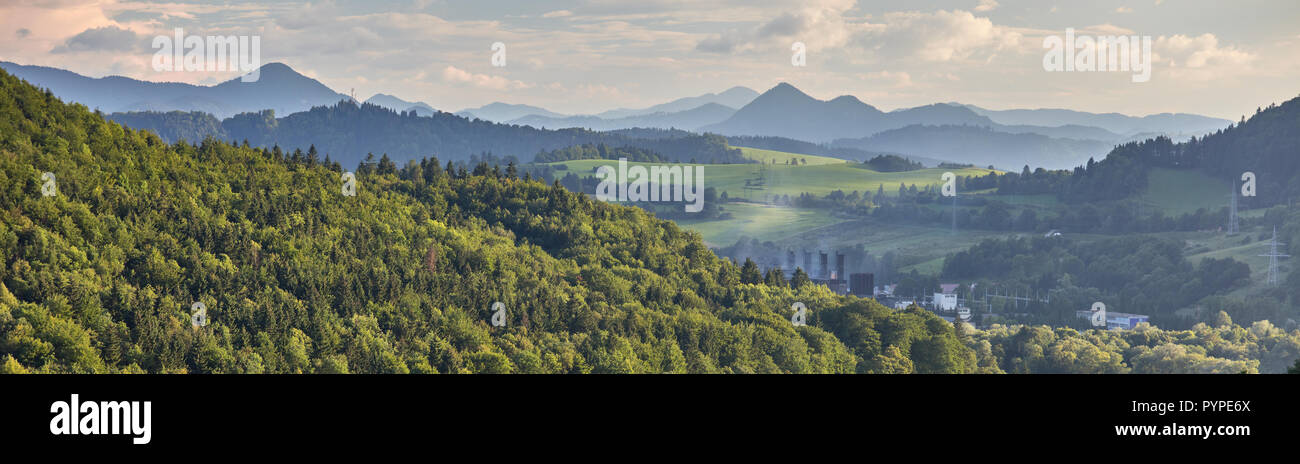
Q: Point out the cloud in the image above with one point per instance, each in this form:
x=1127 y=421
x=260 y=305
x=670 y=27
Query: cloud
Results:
x=942 y=36
x=106 y=39
x=722 y=43
x=558 y=14
x=459 y=76
x=1106 y=29
x=986 y=5
x=784 y=26
x=1202 y=51
x=820 y=24
x=23 y=33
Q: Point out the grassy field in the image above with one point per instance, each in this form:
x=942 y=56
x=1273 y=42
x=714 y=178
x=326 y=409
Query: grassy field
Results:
x=925 y=246
x=781 y=179
x=922 y=248
x=1245 y=247
x=1173 y=191
x=781 y=157
x=764 y=222
x=1177 y=192
x=816 y=228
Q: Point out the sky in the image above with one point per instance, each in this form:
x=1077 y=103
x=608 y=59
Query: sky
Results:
x=1210 y=57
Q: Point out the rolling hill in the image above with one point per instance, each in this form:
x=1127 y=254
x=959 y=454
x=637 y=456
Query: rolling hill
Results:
x=983 y=146
x=690 y=119
x=299 y=277
x=1163 y=123
x=348 y=133
x=785 y=111
x=734 y=97
x=278 y=88
x=399 y=105
x=504 y=112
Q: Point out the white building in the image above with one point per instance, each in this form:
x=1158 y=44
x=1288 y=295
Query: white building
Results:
x=945 y=301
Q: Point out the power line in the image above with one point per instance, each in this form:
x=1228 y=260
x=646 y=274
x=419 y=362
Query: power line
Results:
x=1273 y=257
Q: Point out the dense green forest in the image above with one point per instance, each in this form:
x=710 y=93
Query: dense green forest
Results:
x=1141 y=273
x=347 y=132
x=589 y=151
x=174 y=126
x=401 y=277
x=297 y=277
x=893 y=163
x=1219 y=348
x=634 y=154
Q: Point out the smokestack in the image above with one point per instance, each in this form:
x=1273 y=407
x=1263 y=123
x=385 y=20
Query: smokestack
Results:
x=839 y=267
x=807 y=263
x=863 y=284
x=824 y=270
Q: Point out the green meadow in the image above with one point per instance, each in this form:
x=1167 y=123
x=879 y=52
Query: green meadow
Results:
x=780 y=179
x=920 y=248
x=763 y=222
x=781 y=157
x=1178 y=191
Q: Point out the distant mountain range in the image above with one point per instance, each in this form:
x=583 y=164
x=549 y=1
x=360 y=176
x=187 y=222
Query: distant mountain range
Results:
x=397 y=104
x=348 y=132
x=785 y=111
x=788 y=112
x=983 y=146
x=1053 y=138
x=1166 y=123
x=504 y=112
x=278 y=88
x=734 y=97
x=961 y=133
x=708 y=113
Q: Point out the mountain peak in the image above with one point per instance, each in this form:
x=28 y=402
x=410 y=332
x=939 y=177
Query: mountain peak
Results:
x=784 y=92
x=279 y=72
x=739 y=89
x=784 y=87
x=842 y=99
x=276 y=66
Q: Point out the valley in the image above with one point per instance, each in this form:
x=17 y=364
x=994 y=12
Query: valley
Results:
x=1112 y=229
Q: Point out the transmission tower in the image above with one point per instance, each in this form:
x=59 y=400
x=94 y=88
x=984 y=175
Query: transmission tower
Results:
x=1273 y=255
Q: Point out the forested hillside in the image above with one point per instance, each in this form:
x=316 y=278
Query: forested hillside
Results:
x=1135 y=272
x=1267 y=144
x=348 y=132
x=174 y=126
x=101 y=275
x=401 y=277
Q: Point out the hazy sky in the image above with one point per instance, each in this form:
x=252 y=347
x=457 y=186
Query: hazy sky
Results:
x=1217 y=58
